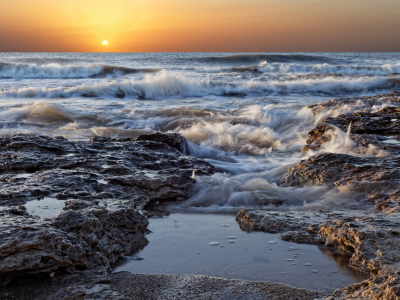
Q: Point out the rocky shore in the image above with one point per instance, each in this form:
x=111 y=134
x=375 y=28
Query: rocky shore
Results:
x=369 y=168
x=107 y=184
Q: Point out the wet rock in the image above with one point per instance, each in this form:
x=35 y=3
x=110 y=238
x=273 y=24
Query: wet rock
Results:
x=77 y=239
x=76 y=170
x=368 y=162
x=365 y=103
x=380 y=287
x=174 y=140
x=105 y=184
x=373 y=240
x=157 y=188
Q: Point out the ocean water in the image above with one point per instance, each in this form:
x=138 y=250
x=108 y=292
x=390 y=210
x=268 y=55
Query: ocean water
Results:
x=245 y=113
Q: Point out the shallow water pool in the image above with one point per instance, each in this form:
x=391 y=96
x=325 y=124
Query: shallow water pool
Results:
x=214 y=245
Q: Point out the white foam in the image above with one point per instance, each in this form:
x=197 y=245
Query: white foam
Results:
x=175 y=85
x=325 y=68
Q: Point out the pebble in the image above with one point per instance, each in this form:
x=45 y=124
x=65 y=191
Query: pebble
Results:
x=214 y=243
x=225 y=225
x=307 y=264
x=314 y=271
x=289 y=259
x=273 y=242
x=232 y=237
x=334 y=271
x=222 y=246
x=198 y=252
x=231 y=241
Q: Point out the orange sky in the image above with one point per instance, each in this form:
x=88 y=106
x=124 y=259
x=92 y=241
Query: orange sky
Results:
x=199 y=26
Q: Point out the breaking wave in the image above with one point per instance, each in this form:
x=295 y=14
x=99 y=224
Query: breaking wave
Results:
x=57 y=70
x=175 y=85
x=257 y=58
x=325 y=69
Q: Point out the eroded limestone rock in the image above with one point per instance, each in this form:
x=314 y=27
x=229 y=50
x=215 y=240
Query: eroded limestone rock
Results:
x=77 y=239
x=105 y=185
x=373 y=240
x=368 y=161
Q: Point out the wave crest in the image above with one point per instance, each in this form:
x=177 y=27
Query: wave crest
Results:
x=56 y=70
x=257 y=58
x=175 y=85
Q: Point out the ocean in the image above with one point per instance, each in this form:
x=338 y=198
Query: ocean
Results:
x=245 y=113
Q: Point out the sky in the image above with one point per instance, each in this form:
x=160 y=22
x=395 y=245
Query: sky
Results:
x=199 y=25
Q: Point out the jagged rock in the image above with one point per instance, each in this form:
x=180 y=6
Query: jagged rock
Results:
x=373 y=240
x=87 y=238
x=157 y=188
x=105 y=185
x=365 y=103
x=174 y=140
x=370 y=165
x=80 y=170
x=380 y=287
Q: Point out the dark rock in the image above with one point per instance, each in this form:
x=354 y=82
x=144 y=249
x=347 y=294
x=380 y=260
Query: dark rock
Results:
x=105 y=184
x=76 y=172
x=77 y=239
x=372 y=166
x=174 y=140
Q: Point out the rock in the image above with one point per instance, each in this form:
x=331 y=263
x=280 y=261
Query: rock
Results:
x=81 y=170
x=326 y=108
x=368 y=163
x=81 y=239
x=383 y=287
x=105 y=184
x=157 y=188
x=174 y=140
x=373 y=240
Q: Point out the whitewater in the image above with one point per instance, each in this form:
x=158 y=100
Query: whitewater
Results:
x=245 y=113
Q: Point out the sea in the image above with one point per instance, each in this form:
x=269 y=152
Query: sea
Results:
x=245 y=113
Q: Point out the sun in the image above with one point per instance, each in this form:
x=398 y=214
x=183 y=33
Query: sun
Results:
x=105 y=43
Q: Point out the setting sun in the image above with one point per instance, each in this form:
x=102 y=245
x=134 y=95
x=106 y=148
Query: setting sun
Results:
x=105 y=43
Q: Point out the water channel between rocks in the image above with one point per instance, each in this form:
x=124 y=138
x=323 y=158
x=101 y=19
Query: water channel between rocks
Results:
x=187 y=244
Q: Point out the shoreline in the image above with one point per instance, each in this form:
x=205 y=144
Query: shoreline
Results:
x=100 y=221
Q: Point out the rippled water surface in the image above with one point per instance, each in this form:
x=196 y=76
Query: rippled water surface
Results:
x=245 y=113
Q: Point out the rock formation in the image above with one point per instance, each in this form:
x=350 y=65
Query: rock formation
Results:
x=365 y=161
x=104 y=185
